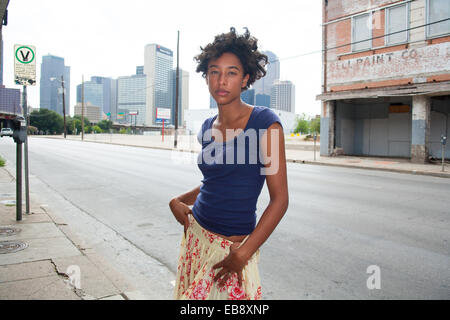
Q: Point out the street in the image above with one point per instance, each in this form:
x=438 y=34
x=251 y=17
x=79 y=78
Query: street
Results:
x=339 y=223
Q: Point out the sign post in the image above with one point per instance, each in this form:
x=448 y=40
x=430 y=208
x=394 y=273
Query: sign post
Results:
x=25 y=75
x=161 y=115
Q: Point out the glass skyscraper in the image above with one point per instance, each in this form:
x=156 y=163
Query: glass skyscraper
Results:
x=100 y=92
x=264 y=85
x=50 y=93
x=158 y=62
x=282 y=96
x=131 y=97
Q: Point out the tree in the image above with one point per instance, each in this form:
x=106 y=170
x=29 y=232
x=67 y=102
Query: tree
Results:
x=315 y=125
x=97 y=129
x=47 y=121
x=105 y=125
x=302 y=124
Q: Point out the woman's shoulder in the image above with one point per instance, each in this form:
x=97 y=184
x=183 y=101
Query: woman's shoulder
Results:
x=265 y=116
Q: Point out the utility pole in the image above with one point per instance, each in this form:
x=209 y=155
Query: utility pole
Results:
x=64 y=106
x=82 y=108
x=176 y=91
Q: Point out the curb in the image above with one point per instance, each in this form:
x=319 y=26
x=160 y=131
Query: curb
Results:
x=416 y=172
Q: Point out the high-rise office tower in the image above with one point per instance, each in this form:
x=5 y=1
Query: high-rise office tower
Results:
x=282 y=96
x=264 y=85
x=99 y=92
x=131 y=97
x=158 y=63
x=52 y=68
x=183 y=96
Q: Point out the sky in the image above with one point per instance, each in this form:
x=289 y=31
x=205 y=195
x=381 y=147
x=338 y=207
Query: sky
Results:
x=107 y=38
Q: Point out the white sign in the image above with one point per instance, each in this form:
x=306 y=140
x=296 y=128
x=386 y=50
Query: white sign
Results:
x=162 y=113
x=25 y=65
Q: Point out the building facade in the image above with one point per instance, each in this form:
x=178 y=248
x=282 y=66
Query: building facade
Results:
x=10 y=100
x=158 y=65
x=282 y=96
x=131 y=97
x=386 y=78
x=52 y=68
x=183 y=96
x=91 y=112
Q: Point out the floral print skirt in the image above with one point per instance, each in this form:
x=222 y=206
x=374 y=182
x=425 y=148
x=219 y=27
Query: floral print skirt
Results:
x=200 y=251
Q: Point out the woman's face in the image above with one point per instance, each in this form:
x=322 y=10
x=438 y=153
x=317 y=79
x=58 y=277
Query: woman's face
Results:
x=225 y=78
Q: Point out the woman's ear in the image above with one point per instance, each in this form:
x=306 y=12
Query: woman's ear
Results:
x=245 y=80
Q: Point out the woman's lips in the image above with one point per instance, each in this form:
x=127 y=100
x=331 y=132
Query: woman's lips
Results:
x=221 y=92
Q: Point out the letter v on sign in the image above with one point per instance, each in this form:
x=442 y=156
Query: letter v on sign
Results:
x=24 y=54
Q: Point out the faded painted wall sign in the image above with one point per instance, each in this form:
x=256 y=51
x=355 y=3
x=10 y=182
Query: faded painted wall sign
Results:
x=397 y=64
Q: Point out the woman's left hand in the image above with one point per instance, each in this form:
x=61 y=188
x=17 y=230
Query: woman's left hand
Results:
x=233 y=263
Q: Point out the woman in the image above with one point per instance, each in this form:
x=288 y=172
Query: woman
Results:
x=220 y=245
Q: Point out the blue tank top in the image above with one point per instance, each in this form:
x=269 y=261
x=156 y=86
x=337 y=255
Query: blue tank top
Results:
x=232 y=177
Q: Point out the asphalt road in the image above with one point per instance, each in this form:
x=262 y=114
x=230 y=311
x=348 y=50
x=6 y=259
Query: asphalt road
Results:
x=348 y=233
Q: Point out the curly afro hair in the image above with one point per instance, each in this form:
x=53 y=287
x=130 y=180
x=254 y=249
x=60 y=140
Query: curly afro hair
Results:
x=245 y=47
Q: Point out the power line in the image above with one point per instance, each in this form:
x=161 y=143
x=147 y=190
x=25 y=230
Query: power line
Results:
x=336 y=47
x=368 y=39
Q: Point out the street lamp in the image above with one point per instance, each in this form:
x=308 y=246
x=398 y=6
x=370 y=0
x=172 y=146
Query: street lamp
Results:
x=64 y=101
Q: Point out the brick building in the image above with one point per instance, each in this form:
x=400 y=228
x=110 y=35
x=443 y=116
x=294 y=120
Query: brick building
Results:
x=386 y=78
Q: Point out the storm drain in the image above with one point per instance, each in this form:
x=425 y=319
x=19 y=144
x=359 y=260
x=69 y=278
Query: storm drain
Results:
x=12 y=246
x=8 y=231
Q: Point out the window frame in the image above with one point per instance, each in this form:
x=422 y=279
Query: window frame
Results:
x=387 y=42
x=427 y=21
x=370 y=14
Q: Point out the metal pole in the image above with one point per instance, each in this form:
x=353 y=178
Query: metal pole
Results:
x=18 y=181
x=82 y=108
x=315 y=138
x=25 y=116
x=176 y=92
x=64 y=106
x=443 y=155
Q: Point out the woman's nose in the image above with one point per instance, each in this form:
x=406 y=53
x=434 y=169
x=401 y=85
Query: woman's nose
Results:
x=222 y=79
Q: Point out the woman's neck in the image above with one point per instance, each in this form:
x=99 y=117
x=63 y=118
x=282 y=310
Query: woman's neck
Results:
x=232 y=112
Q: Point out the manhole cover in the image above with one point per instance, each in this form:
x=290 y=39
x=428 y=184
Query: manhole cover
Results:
x=8 y=231
x=12 y=246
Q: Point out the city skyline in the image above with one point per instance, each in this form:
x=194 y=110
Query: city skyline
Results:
x=122 y=34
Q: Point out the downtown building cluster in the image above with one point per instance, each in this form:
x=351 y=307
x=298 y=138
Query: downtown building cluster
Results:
x=132 y=99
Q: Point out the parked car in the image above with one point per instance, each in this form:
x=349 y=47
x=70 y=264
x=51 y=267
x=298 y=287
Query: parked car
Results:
x=6 y=132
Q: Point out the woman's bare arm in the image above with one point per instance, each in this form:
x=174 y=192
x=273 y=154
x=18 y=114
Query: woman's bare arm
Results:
x=189 y=197
x=278 y=191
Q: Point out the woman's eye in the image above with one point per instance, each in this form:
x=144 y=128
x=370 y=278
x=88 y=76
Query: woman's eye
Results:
x=232 y=73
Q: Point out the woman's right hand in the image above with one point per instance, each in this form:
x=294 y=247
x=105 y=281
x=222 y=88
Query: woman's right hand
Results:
x=181 y=211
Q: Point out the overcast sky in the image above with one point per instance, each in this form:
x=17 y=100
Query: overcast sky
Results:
x=107 y=38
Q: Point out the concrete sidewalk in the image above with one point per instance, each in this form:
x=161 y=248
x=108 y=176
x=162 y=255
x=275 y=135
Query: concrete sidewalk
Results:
x=41 y=258
x=297 y=151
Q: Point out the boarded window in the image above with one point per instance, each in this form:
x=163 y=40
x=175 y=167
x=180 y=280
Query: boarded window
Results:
x=397 y=20
x=362 y=31
x=438 y=10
